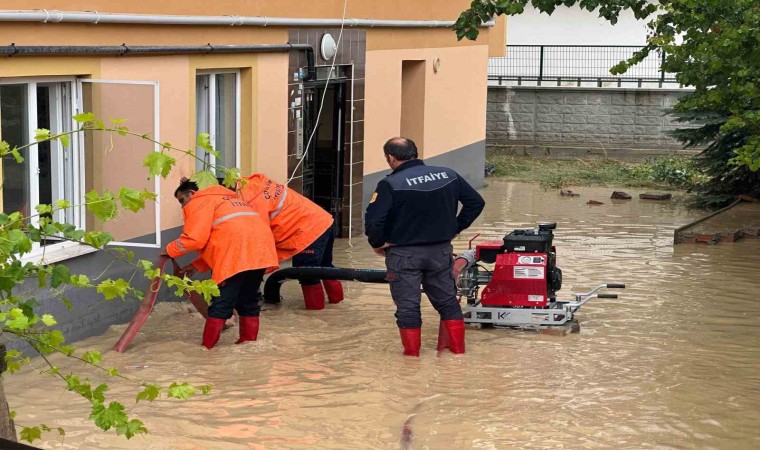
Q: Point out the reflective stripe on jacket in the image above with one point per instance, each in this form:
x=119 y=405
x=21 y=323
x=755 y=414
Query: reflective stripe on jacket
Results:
x=295 y=220
x=227 y=233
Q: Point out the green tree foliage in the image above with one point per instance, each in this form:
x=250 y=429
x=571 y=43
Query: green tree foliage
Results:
x=710 y=45
x=724 y=180
x=21 y=316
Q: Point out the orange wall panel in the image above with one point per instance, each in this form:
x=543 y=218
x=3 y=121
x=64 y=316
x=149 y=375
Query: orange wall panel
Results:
x=45 y=66
x=387 y=9
x=270 y=119
x=497 y=38
x=136 y=34
x=455 y=100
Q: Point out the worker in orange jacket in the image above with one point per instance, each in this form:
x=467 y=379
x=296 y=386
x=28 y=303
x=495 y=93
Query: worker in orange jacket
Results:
x=302 y=230
x=234 y=241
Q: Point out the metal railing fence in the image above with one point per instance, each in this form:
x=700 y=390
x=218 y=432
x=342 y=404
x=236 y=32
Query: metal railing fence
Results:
x=577 y=64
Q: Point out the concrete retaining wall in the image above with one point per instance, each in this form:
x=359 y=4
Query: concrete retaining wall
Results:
x=570 y=122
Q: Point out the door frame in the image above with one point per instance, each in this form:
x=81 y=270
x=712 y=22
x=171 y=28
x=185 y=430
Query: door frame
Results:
x=339 y=125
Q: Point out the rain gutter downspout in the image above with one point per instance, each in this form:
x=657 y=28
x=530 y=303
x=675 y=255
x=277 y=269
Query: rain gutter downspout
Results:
x=94 y=17
x=141 y=50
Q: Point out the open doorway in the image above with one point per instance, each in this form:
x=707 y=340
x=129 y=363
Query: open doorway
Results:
x=323 y=163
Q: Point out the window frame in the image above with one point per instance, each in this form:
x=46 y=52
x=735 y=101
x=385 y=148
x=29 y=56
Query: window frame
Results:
x=211 y=107
x=59 y=119
x=156 y=148
x=63 y=115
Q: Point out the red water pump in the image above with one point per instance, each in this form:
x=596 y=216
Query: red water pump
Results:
x=525 y=271
x=520 y=288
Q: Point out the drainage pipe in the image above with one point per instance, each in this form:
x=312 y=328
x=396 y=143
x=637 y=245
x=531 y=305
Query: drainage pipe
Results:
x=143 y=50
x=94 y=17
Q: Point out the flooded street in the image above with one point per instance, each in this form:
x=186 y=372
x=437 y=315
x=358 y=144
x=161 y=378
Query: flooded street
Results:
x=673 y=363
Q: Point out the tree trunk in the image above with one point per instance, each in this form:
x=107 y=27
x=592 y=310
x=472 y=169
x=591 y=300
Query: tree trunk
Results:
x=7 y=430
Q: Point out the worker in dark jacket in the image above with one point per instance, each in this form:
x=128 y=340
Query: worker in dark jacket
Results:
x=411 y=220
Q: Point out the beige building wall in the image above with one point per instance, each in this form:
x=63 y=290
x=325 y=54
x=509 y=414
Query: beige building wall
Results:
x=263 y=118
x=455 y=100
x=31 y=33
x=497 y=38
x=270 y=117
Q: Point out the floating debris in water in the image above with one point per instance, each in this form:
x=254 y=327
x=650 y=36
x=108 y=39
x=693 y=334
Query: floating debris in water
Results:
x=620 y=195
x=655 y=196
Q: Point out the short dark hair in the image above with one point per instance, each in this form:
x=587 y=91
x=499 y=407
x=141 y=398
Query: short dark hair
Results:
x=186 y=186
x=400 y=148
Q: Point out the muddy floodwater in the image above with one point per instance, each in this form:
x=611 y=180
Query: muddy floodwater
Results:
x=673 y=363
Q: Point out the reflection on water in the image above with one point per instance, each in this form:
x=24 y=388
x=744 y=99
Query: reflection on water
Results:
x=673 y=363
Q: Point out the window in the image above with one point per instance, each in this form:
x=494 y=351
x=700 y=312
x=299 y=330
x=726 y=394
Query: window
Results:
x=50 y=171
x=217 y=109
x=136 y=103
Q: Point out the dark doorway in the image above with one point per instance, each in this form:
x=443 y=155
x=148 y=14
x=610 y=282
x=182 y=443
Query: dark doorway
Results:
x=323 y=163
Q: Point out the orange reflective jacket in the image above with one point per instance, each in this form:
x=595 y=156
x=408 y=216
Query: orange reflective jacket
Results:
x=295 y=220
x=227 y=233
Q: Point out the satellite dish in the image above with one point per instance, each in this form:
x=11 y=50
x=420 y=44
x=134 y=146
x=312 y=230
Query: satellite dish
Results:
x=328 y=47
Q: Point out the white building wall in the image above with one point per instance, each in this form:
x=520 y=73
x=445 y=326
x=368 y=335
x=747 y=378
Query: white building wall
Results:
x=573 y=26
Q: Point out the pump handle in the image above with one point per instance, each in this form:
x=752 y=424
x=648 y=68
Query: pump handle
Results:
x=473 y=238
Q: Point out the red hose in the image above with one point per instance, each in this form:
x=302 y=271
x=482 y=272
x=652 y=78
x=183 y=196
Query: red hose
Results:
x=146 y=307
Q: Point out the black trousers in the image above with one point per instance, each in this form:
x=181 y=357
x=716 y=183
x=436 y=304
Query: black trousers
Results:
x=429 y=266
x=318 y=254
x=237 y=292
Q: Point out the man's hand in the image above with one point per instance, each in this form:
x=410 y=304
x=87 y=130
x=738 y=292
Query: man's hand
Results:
x=187 y=271
x=380 y=251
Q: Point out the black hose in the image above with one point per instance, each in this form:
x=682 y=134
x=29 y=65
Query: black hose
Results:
x=275 y=281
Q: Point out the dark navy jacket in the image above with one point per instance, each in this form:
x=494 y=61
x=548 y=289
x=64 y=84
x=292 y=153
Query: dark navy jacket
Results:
x=417 y=205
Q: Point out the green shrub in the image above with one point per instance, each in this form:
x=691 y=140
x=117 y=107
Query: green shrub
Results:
x=668 y=173
x=552 y=181
x=681 y=173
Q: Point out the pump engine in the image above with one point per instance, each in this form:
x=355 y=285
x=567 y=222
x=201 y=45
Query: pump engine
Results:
x=520 y=287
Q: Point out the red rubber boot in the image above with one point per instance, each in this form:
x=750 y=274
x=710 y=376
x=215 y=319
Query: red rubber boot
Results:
x=455 y=331
x=211 y=332
x=443 y=337
x=249 y=328
x=334 y=289
x=313 y=296
x=410 y=339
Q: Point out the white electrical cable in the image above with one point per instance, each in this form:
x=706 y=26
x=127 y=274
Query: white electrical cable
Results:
x=324 y=94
